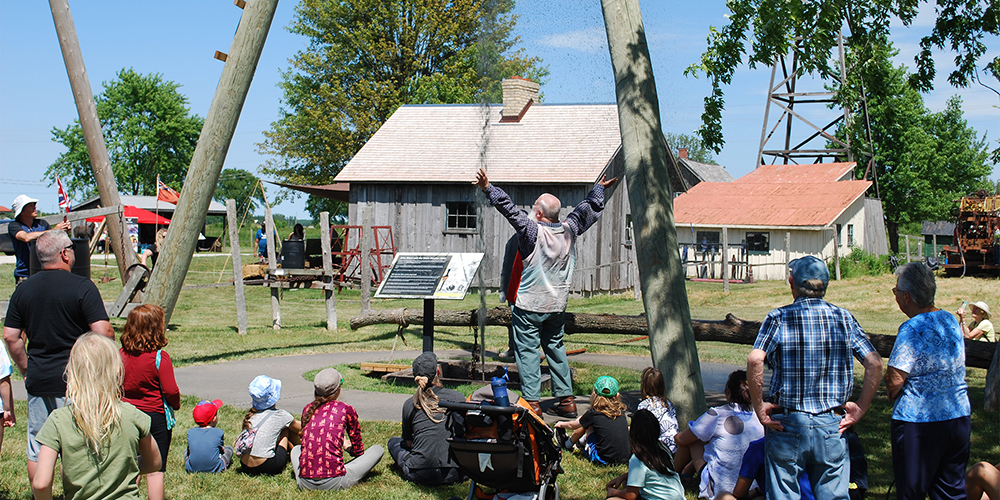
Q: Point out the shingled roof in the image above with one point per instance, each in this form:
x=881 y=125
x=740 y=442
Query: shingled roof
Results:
x=552 y=143
x=789 y=195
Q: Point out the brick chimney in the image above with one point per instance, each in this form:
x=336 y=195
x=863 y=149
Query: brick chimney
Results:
x=682 y=152
x=518 y=94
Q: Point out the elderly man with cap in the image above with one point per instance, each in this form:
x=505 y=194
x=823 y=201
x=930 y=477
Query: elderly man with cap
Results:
x=26 y=228
x=808 y=345
x=422 y=453
x=548 y=251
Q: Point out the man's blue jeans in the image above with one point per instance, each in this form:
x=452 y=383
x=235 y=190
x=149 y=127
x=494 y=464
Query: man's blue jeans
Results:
x=531 y=331
x=810 y=444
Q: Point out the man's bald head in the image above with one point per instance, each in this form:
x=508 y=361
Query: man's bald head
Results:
x=547 y=206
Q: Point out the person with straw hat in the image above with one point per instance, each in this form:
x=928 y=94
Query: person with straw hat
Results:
x=980 y=327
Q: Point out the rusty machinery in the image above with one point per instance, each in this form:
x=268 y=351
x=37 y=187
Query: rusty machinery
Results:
x=974 y=248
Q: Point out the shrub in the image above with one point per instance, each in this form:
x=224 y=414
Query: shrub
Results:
x=861 y=263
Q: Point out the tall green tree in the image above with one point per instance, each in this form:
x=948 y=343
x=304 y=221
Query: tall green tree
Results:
x=922 y=161
x=761 y=30
x=696 y=149
x=367 y=57
x=148 y=129
x=242 y=186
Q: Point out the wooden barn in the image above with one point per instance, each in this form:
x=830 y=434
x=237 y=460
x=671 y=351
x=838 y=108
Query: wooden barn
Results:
x=415 y=175
x=784 y=212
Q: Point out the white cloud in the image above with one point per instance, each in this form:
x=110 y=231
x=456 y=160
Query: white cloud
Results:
x=591 y=40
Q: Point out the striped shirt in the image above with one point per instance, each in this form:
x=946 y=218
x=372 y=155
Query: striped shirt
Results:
x=809 y=344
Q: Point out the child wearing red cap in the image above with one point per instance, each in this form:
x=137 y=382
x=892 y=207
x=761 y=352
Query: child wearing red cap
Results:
x=206 y=450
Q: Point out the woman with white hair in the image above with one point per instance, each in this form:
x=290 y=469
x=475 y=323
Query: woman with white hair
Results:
x=931 y=424
x=980 y=328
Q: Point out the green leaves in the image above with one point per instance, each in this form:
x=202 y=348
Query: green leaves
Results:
x=365 y=58
x=772 y=28
x=148 y=130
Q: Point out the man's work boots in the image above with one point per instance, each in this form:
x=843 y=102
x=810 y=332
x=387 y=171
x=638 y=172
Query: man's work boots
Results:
x=535 y=407
x=565 y=408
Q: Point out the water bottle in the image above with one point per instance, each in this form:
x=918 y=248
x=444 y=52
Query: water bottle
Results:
x=500 y=392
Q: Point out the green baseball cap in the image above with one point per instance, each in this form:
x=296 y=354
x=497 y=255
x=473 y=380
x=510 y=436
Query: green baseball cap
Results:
x=606 y=386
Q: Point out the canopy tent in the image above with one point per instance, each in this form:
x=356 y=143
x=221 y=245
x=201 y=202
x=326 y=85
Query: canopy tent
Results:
x=338 y=192
x=142 y=216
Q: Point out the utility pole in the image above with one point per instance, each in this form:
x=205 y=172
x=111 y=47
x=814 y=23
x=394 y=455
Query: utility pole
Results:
x=647 y=161
x=107 y=187
x=210 y=154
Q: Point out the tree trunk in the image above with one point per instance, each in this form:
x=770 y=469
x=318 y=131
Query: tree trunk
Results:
x=892 y=228
x=732 y=329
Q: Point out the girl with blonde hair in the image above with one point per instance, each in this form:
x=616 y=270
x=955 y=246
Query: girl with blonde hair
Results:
x=149 y=382
x=97 y=434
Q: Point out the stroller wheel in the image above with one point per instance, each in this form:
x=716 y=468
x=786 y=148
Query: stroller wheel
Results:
x=545 y=493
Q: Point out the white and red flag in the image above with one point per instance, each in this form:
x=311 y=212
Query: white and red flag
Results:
x=164 y=193
x=64 y=202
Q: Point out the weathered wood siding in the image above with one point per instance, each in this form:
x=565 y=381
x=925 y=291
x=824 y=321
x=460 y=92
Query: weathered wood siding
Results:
x=417 y=214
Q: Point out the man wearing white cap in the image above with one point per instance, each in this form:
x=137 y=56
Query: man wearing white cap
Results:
x=26 y=228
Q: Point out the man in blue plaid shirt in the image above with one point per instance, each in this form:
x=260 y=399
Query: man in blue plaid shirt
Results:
x=808 y=345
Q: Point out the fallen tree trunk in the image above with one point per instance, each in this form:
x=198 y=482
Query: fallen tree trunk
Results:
x=732 y=329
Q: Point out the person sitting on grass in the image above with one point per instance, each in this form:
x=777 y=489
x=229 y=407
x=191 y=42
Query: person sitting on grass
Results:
x=422 y=452
x=327 y=424
x=207 y=451
x=603 y=430
x=980 y=327
x=277 y=430
x=98 y=435
x=654 y=399
x=651 y=474
x=983 y=482
x=714 y=444
x=752 y=469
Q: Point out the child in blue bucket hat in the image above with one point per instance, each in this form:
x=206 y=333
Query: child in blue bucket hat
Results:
x=268 y=433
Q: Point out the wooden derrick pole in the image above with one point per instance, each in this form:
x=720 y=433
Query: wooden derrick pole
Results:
x=210 y=154
x=272 y=267
x=234 y=247
x=647 y=166
x=93 y=136
x=328 y=295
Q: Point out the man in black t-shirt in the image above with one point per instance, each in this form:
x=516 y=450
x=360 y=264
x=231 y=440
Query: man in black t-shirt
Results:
x=26 y=228
x=52 y=309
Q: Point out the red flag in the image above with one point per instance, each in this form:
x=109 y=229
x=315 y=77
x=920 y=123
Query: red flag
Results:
x=64 y=202
x=164 y=193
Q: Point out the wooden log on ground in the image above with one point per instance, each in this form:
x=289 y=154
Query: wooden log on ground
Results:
x=732 y=329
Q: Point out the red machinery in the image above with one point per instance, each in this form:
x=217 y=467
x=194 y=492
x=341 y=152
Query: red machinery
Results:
x=346 y=252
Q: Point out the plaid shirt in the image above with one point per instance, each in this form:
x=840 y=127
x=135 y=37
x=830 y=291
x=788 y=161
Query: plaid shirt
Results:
x=809 y=345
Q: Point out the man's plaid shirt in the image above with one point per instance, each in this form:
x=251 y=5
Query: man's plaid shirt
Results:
x=809 y=344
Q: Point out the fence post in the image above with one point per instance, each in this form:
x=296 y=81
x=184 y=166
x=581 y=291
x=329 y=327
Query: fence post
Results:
x=836 y=254
x=788 y=252
x=330 y=299
x=907 y=237
x=725 y=259
x=234 y=244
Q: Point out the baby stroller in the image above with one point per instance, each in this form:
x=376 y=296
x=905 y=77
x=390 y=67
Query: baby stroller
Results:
x=506 y=448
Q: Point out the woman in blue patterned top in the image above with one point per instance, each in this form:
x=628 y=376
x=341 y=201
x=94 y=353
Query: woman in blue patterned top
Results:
x=926 y=380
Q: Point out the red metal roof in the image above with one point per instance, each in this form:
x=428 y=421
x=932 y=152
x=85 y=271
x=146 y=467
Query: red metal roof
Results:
x=822 y=172
x=767 y=204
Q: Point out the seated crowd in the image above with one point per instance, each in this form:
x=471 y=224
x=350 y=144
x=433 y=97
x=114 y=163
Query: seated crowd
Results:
x=113 y=426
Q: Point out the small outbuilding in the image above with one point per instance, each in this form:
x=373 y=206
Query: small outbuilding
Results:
x=774 y=214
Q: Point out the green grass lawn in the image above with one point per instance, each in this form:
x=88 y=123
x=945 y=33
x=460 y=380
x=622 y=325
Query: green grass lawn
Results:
x=203 y=330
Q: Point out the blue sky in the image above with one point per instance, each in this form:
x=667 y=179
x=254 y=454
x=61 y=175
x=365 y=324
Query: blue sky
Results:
x=177 y=39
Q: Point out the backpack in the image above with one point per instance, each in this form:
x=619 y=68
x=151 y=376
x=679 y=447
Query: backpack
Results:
x=244 y=442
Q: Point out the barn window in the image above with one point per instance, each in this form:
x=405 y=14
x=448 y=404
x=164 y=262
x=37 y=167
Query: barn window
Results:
x=628 y=230
x=461 y=216
x=850 y=235
x=758 y=243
